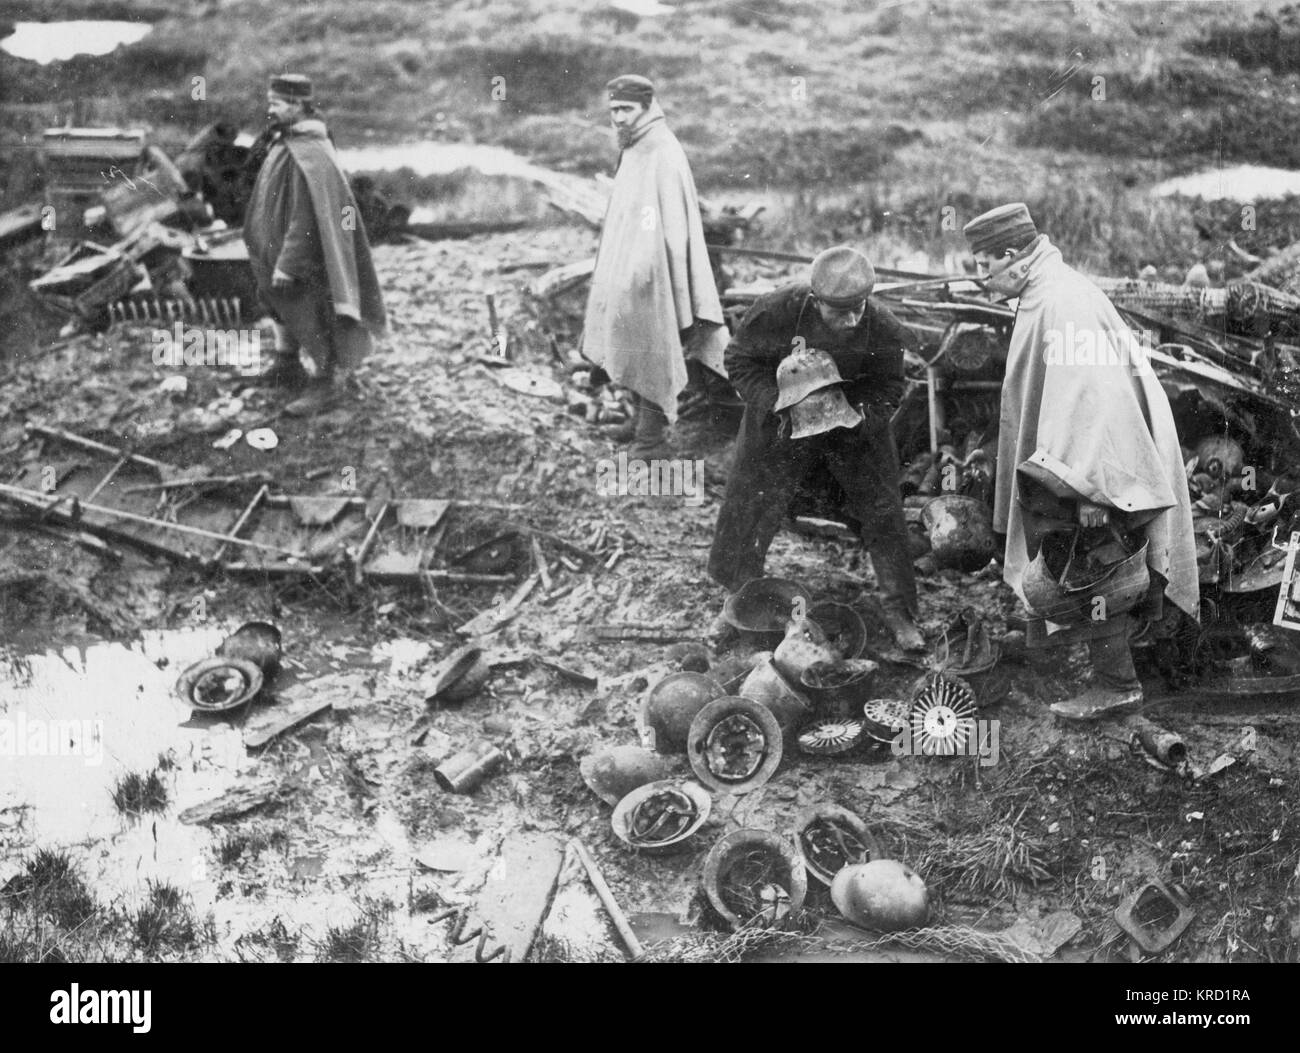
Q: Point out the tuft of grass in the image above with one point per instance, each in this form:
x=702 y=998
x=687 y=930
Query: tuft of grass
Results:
x=135 y=794
x=166 y=920
x=51 y=887
x=239 y=845
x=359 y=941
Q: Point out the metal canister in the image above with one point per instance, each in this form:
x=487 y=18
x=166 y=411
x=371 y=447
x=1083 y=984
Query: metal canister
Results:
x=464 y=771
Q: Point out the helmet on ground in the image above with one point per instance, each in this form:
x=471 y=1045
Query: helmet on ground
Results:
x=822 y=411
x=883 y=894
x=801 y=373
x=764 y=605
x=671 y=705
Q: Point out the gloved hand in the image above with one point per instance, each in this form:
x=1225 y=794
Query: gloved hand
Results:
x=1091 y=515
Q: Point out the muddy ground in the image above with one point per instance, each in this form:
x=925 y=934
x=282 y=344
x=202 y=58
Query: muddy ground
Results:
x=1067 y=819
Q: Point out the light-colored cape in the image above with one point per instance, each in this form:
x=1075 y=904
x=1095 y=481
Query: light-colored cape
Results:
x=652 y=276
x=1081 y=406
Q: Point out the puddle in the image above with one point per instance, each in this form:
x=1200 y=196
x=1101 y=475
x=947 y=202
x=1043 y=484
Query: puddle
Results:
x=46 y=42
x=1239 y=183
x=426 y=159
x=74 y=720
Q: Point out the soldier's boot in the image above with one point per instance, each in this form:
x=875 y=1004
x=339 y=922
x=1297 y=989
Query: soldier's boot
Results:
x=897 y=584
x=625 y=432
x=651 y=441
x=1115 y=690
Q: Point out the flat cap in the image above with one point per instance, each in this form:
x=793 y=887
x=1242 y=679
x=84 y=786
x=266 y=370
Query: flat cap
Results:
x=1001 y=228
x=291 y=86
x=631 y=88
x=842 y=276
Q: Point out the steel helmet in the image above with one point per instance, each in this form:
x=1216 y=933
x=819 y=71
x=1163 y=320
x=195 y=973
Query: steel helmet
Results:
x=884 y=895
x=820 y=412
x=1122 y=587
x=613 y=773
x=671 y=705
x=801 y=373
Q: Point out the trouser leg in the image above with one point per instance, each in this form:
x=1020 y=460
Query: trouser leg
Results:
x=763 y=479
x=309 y=318
x=868 y=471
x=1112 y=659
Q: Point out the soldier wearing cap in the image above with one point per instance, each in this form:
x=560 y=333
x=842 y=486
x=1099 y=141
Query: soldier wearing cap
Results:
x=831 y=312
x=309 y=251
x=653 y=305
x=1089 y=466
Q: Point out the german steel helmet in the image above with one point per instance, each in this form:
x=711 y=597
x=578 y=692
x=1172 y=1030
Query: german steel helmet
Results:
x=801 y=373
x=1121 y=587
x=821 y=411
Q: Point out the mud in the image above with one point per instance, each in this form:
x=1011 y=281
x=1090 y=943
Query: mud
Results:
x=358 y=805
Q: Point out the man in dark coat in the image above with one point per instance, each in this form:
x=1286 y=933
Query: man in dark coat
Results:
x=831 y=313
x=309 y=251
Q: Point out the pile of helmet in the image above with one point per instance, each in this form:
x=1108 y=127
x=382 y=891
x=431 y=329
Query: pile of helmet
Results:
x=810 y=388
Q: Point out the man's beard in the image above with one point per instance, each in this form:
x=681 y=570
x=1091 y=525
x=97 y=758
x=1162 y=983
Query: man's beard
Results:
x=625 y=135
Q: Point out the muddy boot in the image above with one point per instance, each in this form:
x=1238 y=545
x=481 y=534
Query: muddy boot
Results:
x=902 y=624
x=651 y=442
x=893 y=567
x=285 y=372
x=1116 y=689
x=624 y=433
x=321 y=394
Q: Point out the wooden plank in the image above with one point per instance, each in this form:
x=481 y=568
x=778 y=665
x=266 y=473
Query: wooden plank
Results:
x=494 y=618
x=232 y=803
x=288 y=714
x=517 y=896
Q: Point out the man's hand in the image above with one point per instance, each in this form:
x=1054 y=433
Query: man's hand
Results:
x=874 y=416
x=1091 y=515
x=280 y=281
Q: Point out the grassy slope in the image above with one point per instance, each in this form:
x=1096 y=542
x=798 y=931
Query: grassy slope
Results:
x=881 y=114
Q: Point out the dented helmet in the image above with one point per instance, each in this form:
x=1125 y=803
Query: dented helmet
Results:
x=820 y=412
x=801 y=373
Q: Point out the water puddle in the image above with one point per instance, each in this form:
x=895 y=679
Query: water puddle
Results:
x=46 y=42
x=1238 y=183
x=76 y=720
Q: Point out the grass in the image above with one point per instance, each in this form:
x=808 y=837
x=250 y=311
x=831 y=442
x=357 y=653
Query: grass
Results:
x=240 y=846
x=358 y=941
x=906 y=108
x=165 y=921
x=135 y=793
x=51 y=887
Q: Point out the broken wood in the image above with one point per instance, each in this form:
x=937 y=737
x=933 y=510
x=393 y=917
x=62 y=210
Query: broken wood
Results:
x=574 y=675
x=98 y=447
x=616 y=915
x=644 y=632
x=561 y=279
x=233 y=803
x=201 y=481
x=272 y=723
x=493 y=619
x=33 y=500
x=539 y=561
